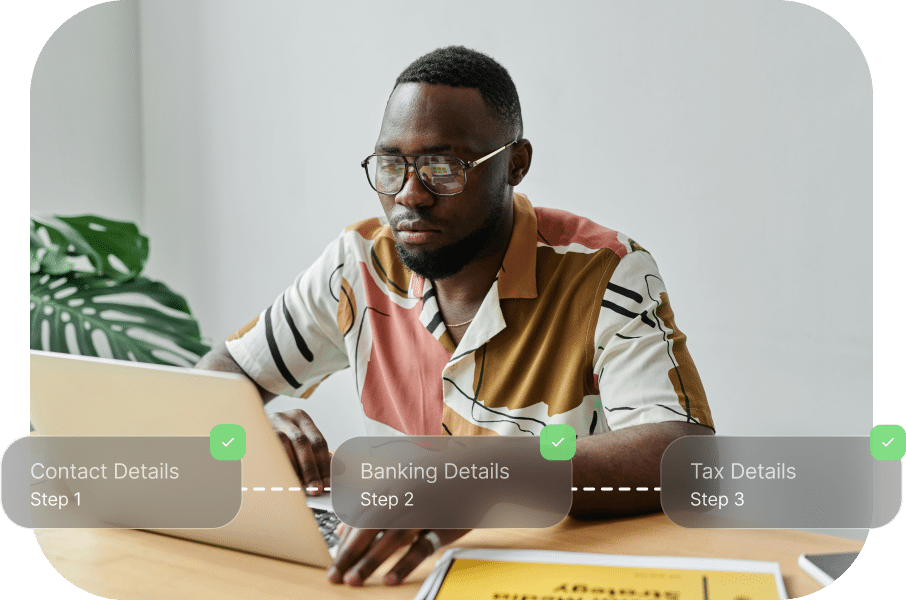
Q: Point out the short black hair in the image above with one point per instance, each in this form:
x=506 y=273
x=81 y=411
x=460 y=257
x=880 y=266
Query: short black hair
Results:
x=462 y=67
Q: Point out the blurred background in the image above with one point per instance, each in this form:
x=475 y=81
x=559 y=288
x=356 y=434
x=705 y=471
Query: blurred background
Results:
x=731 y=139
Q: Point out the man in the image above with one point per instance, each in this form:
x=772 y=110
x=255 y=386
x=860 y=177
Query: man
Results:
x=470 y=312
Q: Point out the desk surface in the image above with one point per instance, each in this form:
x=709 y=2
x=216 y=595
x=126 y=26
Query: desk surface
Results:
x=128 y=564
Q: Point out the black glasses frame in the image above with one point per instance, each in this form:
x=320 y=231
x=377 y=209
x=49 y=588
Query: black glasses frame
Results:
x=465 y=167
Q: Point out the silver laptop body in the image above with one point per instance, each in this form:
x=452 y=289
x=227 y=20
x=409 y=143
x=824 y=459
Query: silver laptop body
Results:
x=87 y=396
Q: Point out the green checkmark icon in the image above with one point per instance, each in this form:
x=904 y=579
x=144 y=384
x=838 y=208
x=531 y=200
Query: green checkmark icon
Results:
x=888 y=442
x=558 y=442
x=227 y=442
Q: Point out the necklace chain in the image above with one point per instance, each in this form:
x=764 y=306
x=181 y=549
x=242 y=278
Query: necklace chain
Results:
x=456 y=325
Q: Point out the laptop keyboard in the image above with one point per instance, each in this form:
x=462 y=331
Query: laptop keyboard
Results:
x=327 y=524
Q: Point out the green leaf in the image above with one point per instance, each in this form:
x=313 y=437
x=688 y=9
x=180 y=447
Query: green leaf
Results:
x=139 y=320
x=87 y=244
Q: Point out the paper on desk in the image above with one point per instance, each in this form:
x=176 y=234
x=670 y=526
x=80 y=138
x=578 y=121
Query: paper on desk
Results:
x=323 y=502
x=525 y=574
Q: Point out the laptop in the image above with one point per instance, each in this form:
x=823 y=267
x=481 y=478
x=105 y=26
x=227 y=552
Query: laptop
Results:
x=87 y=396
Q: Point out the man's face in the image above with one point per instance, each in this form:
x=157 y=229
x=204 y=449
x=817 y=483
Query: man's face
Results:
x=436 y=236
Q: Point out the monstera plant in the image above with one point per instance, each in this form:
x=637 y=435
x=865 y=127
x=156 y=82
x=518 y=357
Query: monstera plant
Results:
x=88 y=297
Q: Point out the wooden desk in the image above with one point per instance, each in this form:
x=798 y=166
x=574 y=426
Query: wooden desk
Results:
x=128 y=564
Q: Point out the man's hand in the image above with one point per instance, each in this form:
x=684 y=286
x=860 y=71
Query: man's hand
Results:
x=362 y=551
x=306 y=448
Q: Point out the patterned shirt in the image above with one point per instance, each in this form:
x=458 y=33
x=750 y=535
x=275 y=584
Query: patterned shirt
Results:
x=577 y=329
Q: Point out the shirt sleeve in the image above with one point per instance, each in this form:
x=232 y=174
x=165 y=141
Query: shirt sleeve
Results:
x=645 y=373
x=296 y=343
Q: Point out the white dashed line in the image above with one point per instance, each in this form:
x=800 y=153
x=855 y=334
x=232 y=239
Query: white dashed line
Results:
x=574 y=489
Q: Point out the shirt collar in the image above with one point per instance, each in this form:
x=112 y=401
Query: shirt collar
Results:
x=516 y=278
x=517 y=273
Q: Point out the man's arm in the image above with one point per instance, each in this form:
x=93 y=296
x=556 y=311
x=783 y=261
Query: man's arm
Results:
x=650 y=389
x=220 y=359
x=629 y=457
x=303 y=442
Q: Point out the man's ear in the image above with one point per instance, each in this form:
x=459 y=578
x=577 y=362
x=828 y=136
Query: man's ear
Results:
x=520 y=161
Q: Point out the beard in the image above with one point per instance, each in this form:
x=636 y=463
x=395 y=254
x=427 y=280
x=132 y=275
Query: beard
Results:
x=450 y=260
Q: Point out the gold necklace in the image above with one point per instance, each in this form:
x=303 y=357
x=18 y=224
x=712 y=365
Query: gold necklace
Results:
x=456 y=325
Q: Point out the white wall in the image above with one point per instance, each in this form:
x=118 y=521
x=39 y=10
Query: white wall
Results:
x=85 y=117
x=731 y=139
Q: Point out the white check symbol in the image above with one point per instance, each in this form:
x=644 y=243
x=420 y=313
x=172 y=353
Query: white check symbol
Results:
x=888 y=442
x=557 y=444
x=227 y=443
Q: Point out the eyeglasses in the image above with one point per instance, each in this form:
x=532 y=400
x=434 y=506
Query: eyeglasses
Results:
x=441 y=174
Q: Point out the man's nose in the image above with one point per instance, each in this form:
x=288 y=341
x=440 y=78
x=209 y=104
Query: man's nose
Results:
x=414 y=192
